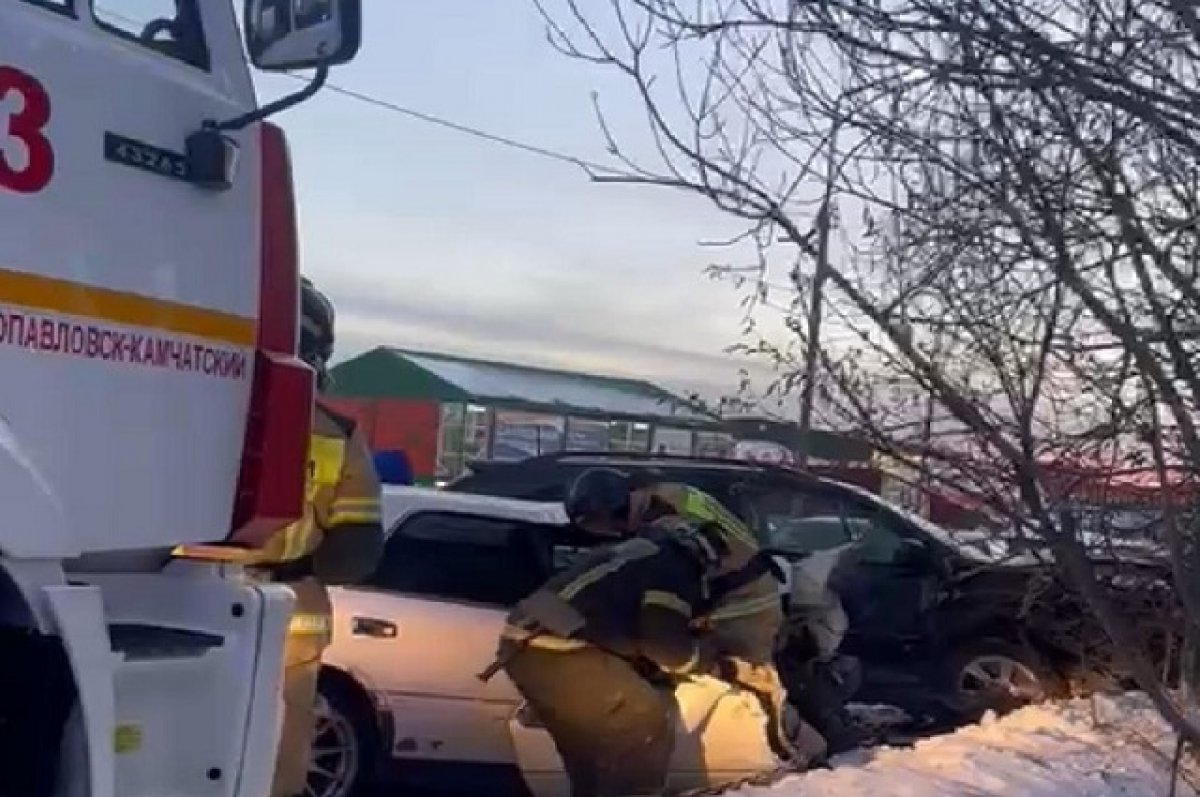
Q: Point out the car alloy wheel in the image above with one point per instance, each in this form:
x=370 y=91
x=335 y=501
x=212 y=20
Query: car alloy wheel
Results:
x=333 y=763
x=995 y=675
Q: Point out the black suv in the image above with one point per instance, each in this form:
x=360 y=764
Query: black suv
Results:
x=944 y=625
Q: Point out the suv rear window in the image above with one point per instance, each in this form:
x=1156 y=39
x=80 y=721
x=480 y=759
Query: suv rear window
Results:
x=550 y=484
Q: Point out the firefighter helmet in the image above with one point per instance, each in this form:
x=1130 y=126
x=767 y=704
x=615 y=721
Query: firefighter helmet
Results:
x=599 y=495
x=316 y=330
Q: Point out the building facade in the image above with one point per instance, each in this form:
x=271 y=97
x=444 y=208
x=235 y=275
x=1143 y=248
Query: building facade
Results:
x=447 y=411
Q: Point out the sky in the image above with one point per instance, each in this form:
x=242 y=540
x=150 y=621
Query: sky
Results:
x=430 y=239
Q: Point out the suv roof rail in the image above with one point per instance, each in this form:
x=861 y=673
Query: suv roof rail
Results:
x=649 y=457
x=484 y=465
x=646 y=456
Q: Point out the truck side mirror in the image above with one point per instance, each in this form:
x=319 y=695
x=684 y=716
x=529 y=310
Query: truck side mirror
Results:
x=282 y=35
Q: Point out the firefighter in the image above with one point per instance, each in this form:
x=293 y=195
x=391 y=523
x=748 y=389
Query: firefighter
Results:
x=594 y=651
x=745 y=612
x=338 y=541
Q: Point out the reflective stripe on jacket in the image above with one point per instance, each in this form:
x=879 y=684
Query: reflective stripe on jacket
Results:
x=698 y=508
x=306 y=623
x=521 y=636
x=634 y=599
x=341 y=489
x=757 y=603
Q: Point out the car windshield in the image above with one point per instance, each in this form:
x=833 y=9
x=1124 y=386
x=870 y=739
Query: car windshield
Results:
x=979 y=546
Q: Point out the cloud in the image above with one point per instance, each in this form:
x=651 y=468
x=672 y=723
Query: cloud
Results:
x=538 y=327
x=432 y=239
x=554 y=272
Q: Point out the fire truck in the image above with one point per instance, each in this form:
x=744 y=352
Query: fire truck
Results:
x=151 y=402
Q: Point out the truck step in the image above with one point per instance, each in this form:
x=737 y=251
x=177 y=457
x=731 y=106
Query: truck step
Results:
x=143 y=642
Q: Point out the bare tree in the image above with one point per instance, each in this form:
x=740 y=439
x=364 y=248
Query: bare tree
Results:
x=1017 y=238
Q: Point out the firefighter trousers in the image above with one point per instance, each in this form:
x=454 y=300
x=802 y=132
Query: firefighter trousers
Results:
x=749 y=642
x=752 y=637
x=613 y=730
x=309 y=633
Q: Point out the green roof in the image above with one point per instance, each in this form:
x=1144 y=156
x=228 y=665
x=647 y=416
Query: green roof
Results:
x=387 y=372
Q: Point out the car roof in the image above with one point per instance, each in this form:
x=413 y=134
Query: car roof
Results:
x=671 y=465
x=635 y=460
x=400 y=502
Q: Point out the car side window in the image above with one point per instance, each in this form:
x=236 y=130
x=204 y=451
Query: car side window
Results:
x=806 y=535
x=550 y=493
x=796 y=520
x=568 y=545
x=878 y=541
x=461 y=557
x=880 y=545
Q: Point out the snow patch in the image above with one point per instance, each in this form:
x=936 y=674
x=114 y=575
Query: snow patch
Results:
x=1098 y=747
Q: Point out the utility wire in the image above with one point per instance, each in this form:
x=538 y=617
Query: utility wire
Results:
x=428 y=118
x=458 y=127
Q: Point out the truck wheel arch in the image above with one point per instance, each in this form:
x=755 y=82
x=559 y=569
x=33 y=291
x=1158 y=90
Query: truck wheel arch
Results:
x=15 y=611
x=35 y=722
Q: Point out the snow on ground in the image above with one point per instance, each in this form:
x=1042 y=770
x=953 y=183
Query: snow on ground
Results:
x=1099 y=747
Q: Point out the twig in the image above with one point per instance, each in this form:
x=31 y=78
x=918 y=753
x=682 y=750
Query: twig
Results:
x=1176 y=760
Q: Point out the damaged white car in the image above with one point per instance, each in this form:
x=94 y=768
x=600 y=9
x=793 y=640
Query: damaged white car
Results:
x=401 y=700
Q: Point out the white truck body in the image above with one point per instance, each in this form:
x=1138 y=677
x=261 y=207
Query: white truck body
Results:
x=128 y=301
x=147 y=324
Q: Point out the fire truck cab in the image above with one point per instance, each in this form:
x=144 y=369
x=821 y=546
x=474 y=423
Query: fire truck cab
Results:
x=151 y=398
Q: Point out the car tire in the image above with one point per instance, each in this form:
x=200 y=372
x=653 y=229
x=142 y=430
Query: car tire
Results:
x=345 y=743
x=998 y=676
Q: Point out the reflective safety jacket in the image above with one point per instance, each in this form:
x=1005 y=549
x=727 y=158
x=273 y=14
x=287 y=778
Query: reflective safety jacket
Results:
x=340 y=538
x=747 y=618
x=636 y=599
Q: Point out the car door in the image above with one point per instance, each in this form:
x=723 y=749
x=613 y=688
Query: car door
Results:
x=428 y=622
x=891 y=587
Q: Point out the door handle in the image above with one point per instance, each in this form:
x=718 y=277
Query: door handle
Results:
x=374 y=627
